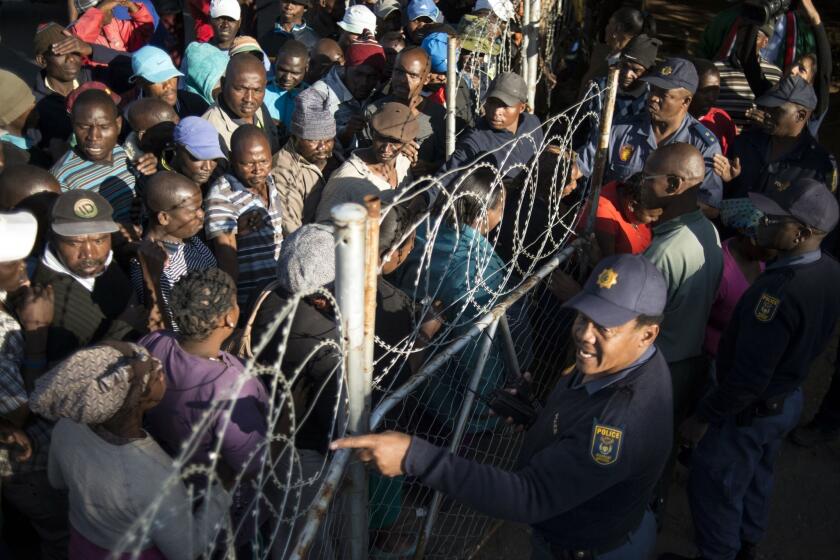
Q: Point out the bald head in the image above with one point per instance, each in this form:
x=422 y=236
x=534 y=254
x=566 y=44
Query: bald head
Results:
x=245 y=138
x=244 y=86
x=680 y=159
x=145 y=113
x=415 y=54
x=293 y=48
x=167 y=189
x=410 y=74
x=95 y=99
x=244 y=64
x=330 y=49
x=19 y=182
x=250 y=156
x=325 y=54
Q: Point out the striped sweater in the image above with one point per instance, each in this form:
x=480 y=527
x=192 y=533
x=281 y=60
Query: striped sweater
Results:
x=736 y=96
x=114 y=181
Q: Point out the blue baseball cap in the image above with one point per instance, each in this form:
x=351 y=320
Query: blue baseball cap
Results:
x=792 y=89
x=807 y=200
x=621 y=288
x=153 y=65
x=199 y=138
x=673 y=73
x=435 y=45
x=423 y=8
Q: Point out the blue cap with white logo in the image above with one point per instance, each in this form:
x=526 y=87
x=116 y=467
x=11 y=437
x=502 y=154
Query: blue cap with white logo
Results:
x=153 y=65
x=621 y=288
x=423 y=8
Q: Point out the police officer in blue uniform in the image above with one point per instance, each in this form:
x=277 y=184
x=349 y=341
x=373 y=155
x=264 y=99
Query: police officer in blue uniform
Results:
x=632 y=98
x=783 y=150
x=592 y=457
x=672 y=85
x=780 y=325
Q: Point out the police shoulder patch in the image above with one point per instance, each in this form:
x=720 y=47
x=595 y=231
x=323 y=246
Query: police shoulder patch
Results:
x=766 y=307
x=605 y=447
x=706 y=136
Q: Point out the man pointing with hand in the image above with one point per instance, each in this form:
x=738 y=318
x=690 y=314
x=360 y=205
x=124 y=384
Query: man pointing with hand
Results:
x=590 y=461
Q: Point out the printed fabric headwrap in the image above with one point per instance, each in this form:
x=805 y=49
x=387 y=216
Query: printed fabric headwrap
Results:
x=92 y=385
x=740 y=214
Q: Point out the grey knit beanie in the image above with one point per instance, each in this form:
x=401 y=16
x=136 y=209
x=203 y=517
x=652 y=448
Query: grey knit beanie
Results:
x=307 y=259
x=312 y=118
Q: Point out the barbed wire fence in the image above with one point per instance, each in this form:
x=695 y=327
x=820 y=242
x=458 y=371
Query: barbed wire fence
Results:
x=503 y=320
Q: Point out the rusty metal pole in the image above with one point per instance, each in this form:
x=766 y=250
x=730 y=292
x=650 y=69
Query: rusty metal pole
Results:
x=374 y=207
x=451 y=90
x=600 y=164
x=350 y=233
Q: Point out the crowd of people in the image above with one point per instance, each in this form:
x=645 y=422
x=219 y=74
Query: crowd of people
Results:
x=163 y=202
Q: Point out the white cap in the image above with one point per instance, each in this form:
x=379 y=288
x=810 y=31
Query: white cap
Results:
x=229 y=8
x=22 y=228
x=502 y=8
x=357 y=18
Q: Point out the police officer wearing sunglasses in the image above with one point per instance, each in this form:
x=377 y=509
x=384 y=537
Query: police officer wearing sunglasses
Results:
x=595 y=451
x=780 y=325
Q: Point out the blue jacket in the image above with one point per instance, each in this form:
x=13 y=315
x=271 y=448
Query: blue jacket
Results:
x=463 y=271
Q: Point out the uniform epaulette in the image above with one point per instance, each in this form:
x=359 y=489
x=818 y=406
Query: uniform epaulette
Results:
x=704 y=133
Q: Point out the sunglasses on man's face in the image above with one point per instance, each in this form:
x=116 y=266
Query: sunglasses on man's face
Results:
x=768 y=220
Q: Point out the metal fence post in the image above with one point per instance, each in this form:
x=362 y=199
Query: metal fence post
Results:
x=526 y=43
x=533 y=50
x=508 y=347
x=460 y=428
x=451 y=90
x=603 y=145
x=350 y=235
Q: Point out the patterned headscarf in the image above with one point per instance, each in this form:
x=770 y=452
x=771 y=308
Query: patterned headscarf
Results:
x=740 y=214
x=92 y=385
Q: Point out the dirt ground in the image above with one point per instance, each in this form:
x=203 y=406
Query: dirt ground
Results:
x=806 y=502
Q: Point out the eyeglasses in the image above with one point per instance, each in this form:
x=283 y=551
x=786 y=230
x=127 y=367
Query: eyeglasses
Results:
x=767 y=220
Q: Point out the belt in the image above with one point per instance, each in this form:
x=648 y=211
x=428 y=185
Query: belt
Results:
x=771 y=406
x=561 y=553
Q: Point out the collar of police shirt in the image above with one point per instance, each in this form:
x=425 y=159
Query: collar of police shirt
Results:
x=596 y=385
x=798 y=260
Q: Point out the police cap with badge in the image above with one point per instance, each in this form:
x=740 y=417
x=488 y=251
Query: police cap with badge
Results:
x=620 y=289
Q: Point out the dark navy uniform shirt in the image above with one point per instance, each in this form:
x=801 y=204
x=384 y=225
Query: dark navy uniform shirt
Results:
x=587 y=467
x=780 y=325
x=509 y=152
x=808 y=160
x=632 y=141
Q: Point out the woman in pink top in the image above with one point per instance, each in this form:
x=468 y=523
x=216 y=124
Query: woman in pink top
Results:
x=743 y=261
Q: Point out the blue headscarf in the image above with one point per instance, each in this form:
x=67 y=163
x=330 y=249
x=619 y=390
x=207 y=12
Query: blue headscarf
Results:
x=203 y=67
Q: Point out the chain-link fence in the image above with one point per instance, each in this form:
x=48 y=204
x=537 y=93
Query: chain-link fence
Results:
x=419 y=347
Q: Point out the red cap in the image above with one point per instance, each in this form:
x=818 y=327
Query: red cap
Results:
x=371 y=54
x=71 y=99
